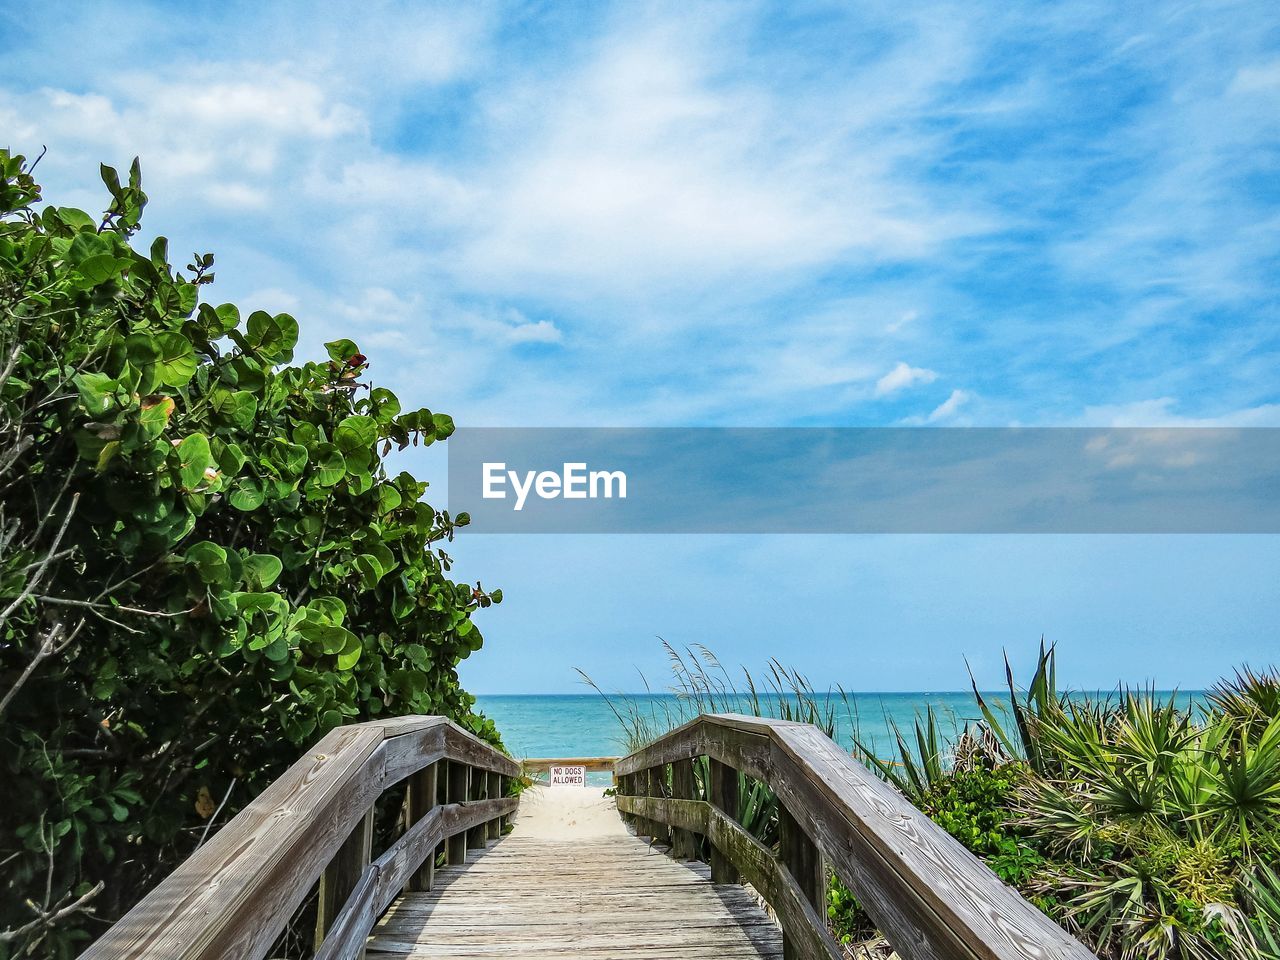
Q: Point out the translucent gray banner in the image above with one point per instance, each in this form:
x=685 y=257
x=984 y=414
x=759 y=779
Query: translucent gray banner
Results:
x=866 y=480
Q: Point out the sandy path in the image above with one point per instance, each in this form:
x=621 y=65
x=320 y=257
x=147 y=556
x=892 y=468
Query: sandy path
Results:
x=567 y=813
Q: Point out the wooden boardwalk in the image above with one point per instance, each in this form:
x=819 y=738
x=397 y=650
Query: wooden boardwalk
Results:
x=593 y=898
x=570 y=880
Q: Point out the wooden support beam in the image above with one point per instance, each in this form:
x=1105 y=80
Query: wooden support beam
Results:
x=342 y=874
x=723 y=789
x=684 y=843
x=459 y=786
x=422 y=799
x=479 y=791
x=661 y=833
x=493 y=829
x=803 y=860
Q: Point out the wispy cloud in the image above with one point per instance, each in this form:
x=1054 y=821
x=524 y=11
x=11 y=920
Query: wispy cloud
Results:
x=903 y=375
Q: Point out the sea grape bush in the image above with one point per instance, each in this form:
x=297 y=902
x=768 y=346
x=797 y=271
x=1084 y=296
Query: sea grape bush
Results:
x=204 y=562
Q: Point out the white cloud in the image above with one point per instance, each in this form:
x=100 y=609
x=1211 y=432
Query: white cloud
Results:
x=646 y=169
x=902 y=376
x=949 y=407
x=233 y=135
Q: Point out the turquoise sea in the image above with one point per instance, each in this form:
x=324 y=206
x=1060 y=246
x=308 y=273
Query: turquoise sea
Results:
x=583 y=725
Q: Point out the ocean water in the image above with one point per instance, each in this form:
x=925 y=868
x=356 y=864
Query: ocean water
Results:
x=584 y=725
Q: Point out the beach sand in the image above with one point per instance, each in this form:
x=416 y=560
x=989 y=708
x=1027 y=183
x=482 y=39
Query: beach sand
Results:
x=567 y=813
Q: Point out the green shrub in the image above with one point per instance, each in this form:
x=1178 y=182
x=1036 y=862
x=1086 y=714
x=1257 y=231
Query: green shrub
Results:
x=1142 y=823
x=204 y=563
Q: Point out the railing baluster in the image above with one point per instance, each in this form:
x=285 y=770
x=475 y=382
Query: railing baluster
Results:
x=504 y=788
x=684 y=843
x=661 y=833
x=479 y=789
x=493 y=829
x=724 y=795
x=421 y=800
x=803 y=860
x=459 y=785
x=342 y=874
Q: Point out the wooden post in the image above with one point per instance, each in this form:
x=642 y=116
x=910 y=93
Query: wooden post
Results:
x=421 y=801
x=504 y=788
x=658 y=788
x=340 y=877
x=493 y=829
x=624 y=790
x=684 y=843
x=644 y=826
x=479 y=787
x=803 y=860
x=459 y=784
x=723 y=791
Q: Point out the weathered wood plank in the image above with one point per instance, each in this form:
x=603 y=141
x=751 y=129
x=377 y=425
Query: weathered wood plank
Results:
x=535 y=764
x=347 y=936
x=800 y=857
x=477 y=835
x=684 y=842
x=722 y=790
x=343 y=874
x=419 y=802
x=611 y=898
x=458 y=791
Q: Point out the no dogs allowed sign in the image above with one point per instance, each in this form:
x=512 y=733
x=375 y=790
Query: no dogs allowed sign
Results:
x=562 y=776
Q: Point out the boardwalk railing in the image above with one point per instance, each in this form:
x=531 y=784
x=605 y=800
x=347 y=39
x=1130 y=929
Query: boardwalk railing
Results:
x=930 y=897
x=234 y=896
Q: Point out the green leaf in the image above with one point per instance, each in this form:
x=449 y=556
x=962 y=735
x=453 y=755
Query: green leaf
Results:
x=251 y=601
x=87 y=246
x=328 y=465
x=195 y=459
x=99 y=269
x=388 y=498
x=229 y=456
x=328 y=638
x=350 y=654
x=356 y=434
x=273 y=337
x=290 y=457
x=238 y=408
x=109 y=450
x=97 y=392
x=443 y=425
x=370 y=570
x=340 y=351
x=175 y=359
x=210 y=561
x=248 y=494
x=385 y=404
x=154 y=416
x=260 y=570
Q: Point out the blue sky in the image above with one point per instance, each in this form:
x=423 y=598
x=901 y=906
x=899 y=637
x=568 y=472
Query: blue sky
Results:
x=643 y=214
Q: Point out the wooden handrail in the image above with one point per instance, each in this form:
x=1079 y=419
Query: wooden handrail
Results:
x=931 y=897
x=234 y=895
x=590 y=763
